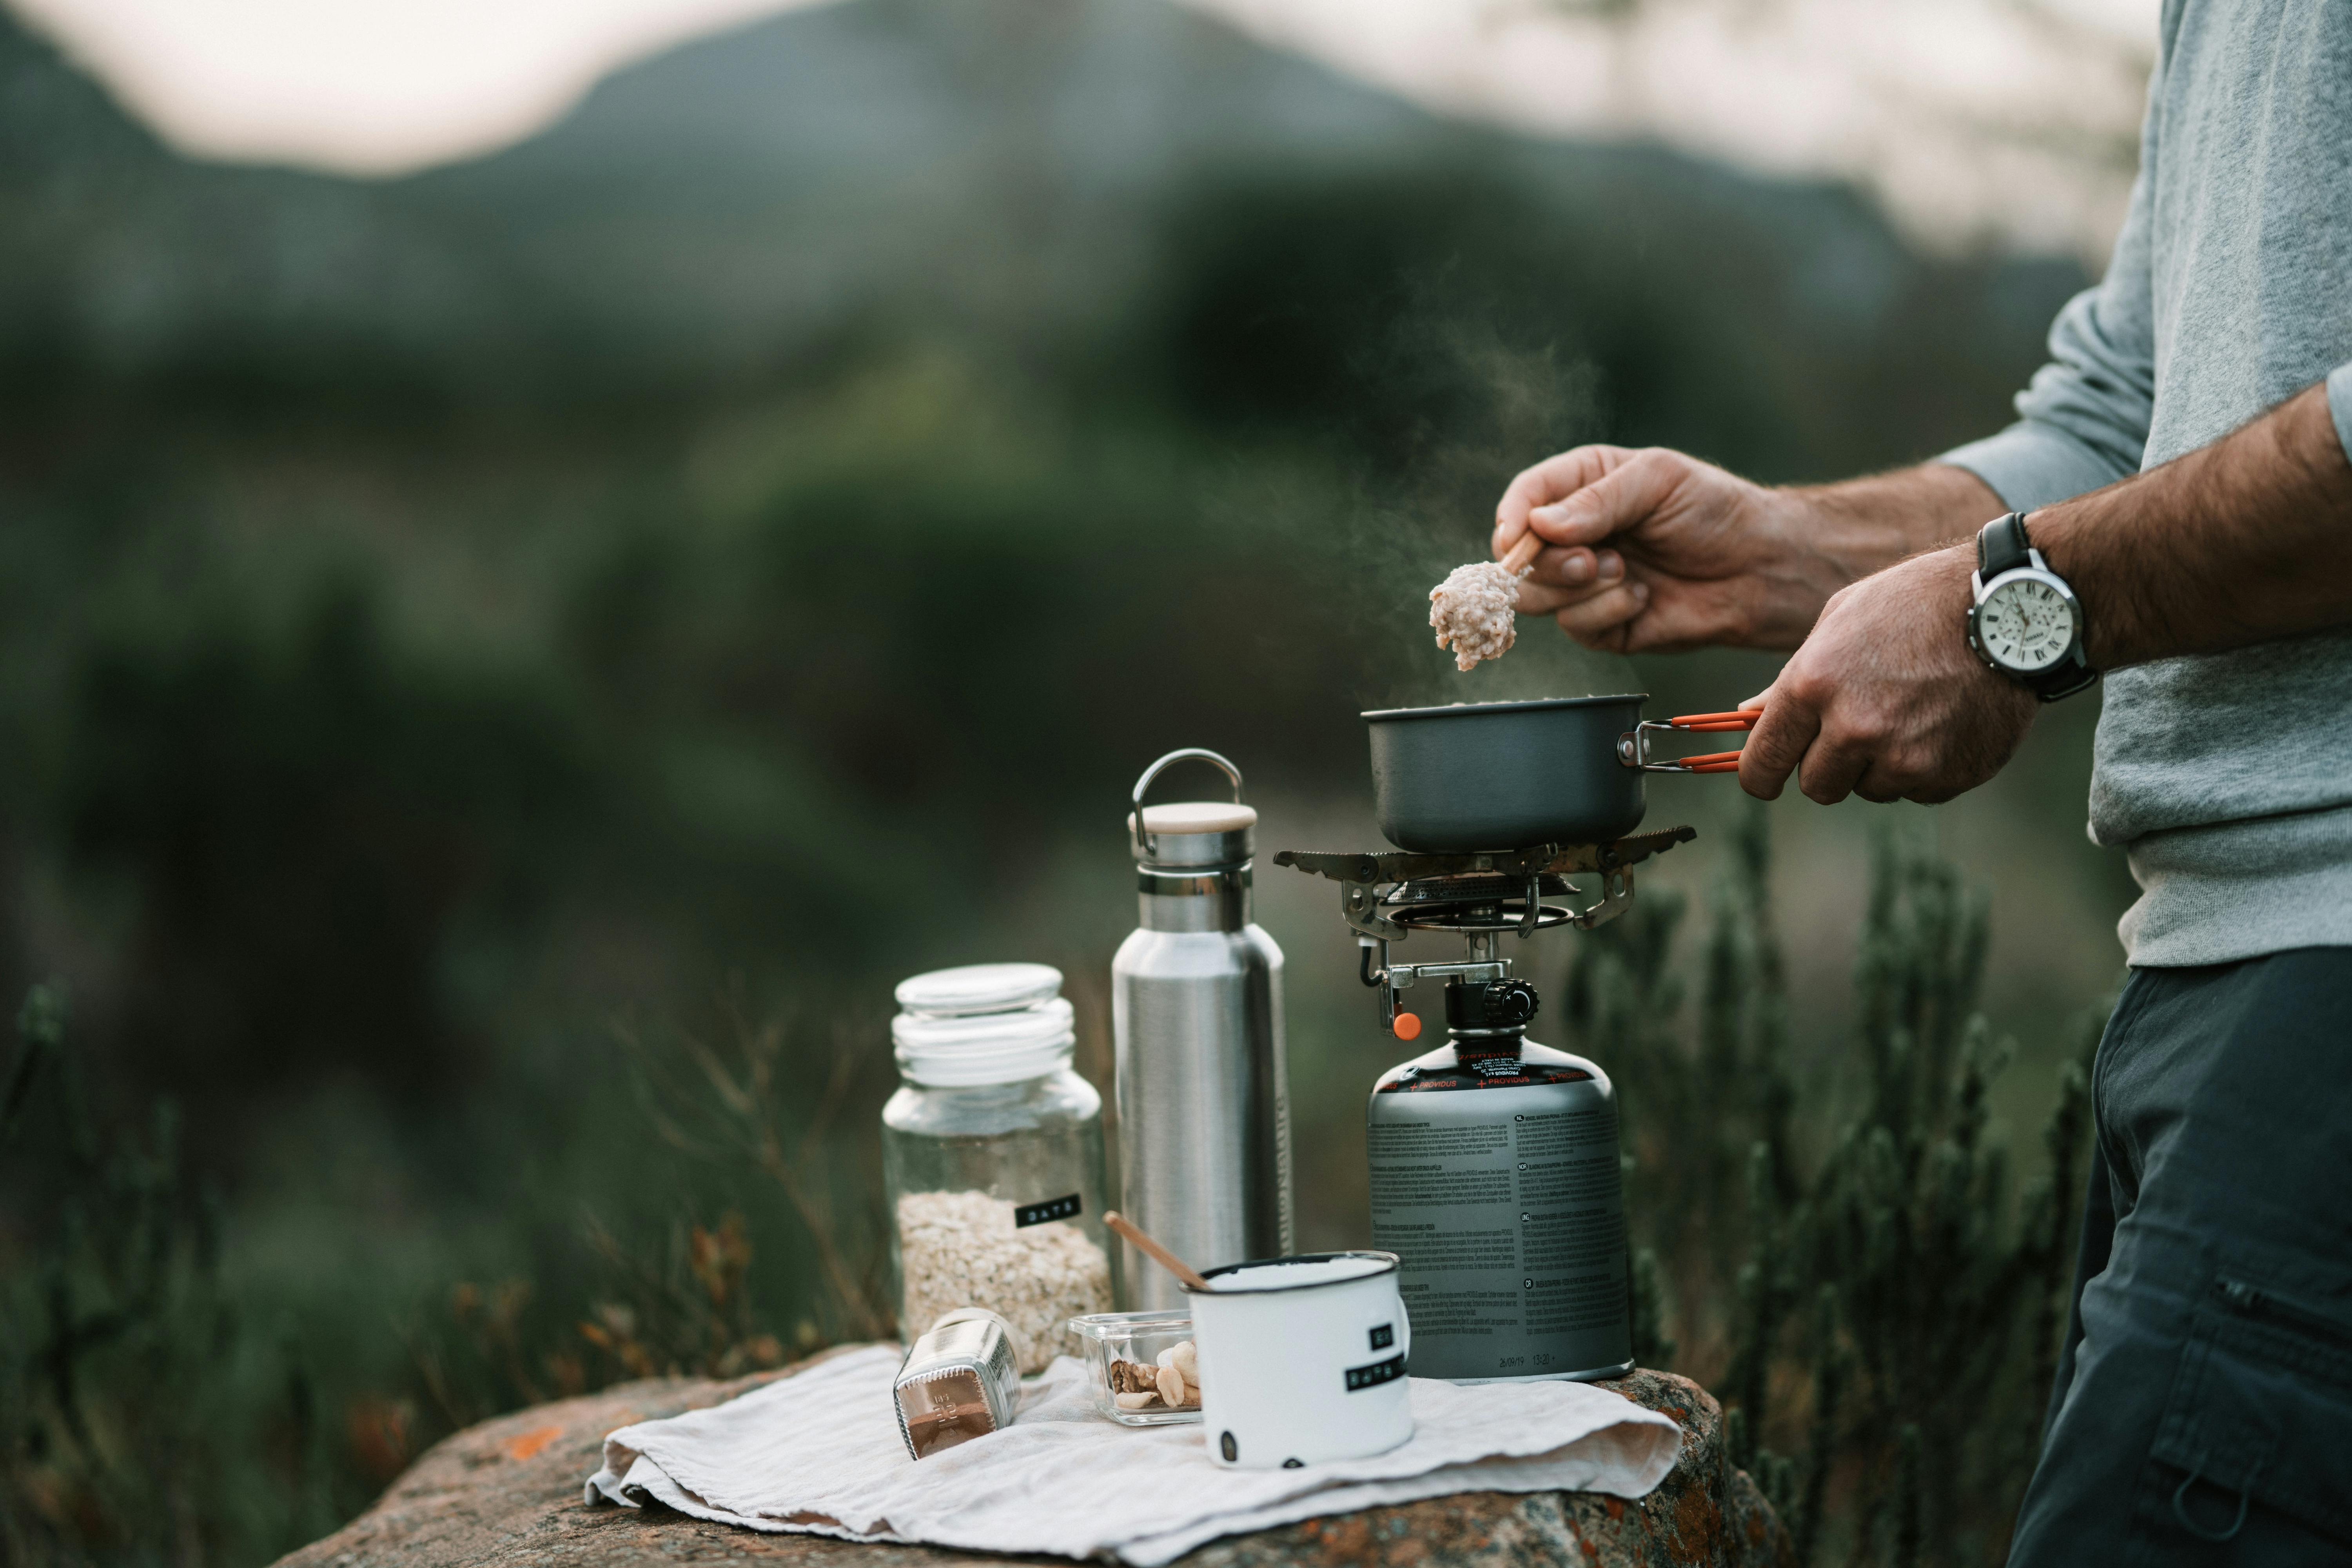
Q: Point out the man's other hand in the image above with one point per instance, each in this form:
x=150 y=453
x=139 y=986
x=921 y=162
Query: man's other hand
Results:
x=1652 y=550
x=1884 y=699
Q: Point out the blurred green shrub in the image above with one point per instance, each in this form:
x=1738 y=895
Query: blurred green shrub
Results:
x=146 y=1417
x=749 y=1106
x=133 y=1426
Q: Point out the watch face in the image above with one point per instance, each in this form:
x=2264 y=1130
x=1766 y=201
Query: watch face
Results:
x=2026 y=625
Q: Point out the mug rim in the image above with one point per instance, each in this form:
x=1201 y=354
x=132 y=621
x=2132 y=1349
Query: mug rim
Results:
x=1390 y=1263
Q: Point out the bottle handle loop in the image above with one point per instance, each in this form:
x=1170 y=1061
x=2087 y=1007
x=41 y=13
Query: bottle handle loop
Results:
x=1143 y=843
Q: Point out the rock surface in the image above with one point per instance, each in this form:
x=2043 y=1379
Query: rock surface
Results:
x=507 y=1491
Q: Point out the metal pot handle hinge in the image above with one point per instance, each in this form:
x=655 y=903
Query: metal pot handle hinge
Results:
x=1633 y=745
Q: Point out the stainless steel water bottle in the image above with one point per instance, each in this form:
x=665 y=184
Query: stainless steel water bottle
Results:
x=1196 y=1018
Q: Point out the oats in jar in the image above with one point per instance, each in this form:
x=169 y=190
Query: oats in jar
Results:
x=963 y=1249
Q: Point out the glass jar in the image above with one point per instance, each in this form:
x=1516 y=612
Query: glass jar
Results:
x=1125 y=1353
x=993 y=1157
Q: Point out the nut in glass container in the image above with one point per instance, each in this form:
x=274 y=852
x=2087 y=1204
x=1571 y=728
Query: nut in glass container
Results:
x=1142 y=1366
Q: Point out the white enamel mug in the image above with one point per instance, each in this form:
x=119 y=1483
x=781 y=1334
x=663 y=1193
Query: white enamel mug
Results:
x=1302 y=1360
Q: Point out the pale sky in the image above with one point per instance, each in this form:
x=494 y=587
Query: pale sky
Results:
x=1976 y=122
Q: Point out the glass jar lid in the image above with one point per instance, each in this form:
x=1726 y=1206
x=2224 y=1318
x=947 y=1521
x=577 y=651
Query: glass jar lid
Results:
x=982 y=1024
x=977 y=988
x=984 y=1047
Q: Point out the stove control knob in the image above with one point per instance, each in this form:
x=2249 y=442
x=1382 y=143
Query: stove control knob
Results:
x=1510 y=1003
x=1495 y=1004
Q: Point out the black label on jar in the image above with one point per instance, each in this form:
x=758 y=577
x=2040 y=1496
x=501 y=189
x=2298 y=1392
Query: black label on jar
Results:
x=1051 y=1209
x=1372 y=1376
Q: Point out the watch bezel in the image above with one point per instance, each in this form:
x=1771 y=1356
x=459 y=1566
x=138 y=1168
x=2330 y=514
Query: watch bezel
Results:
x=2037 y=569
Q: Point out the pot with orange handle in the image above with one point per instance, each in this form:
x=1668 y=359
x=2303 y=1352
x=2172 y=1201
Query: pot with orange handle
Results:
x=1504 y=775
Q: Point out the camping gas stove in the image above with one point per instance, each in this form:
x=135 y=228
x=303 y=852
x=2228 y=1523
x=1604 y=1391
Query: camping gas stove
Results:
x=1494 y=1159
x=1386 y=896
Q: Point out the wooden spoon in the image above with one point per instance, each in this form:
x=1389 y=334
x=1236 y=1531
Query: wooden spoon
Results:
x=1156 y=1252
x=1521 y=558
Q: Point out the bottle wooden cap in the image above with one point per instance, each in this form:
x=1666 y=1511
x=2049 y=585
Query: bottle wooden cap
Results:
x=1196 y=817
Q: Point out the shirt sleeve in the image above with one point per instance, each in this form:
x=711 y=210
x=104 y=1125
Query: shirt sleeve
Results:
x=2082 y=421
x=2339 y=403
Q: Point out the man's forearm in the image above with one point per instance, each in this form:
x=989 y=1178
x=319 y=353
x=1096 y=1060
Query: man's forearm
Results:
x=1868 y=524
x=2239 y=542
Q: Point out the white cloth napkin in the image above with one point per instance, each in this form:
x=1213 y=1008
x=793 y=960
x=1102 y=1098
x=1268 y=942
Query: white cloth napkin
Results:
x=820 y=1452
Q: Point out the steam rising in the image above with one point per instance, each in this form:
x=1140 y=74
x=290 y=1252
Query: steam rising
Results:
x=1497 y=407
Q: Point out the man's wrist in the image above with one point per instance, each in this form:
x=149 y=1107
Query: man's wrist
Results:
x=1836 y=538
x=1866 y=525
x=2025 y=622
x=1809 y=541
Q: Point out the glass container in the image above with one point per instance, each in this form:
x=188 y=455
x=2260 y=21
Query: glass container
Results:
x=993 y=1157
x=1125 y=1353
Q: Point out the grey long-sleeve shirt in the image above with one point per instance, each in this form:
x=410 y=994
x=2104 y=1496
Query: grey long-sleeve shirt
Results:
x=2226 y=777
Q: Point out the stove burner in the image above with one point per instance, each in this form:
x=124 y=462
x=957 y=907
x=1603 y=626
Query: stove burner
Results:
x=1408 y=865
x=1476 y=887
x=1476 y=901
x=1484 y=890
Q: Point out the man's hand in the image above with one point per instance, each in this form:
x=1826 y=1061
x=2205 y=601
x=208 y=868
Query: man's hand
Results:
x=1701 y=556
x=1884 y=699
x=1652 y=550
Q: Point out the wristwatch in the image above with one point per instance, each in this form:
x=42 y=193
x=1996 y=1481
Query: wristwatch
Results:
x=2026 y=622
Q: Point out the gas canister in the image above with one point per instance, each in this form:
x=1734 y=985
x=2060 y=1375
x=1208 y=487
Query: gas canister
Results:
x=1495 y=1178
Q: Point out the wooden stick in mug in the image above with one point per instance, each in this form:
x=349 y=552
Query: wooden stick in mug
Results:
x=1156 y=1252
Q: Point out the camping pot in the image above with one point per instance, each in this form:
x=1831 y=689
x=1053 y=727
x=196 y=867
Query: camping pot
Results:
x=1504 y=775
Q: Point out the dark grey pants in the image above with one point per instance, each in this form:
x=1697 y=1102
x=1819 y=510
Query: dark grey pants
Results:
x=2204 y=1409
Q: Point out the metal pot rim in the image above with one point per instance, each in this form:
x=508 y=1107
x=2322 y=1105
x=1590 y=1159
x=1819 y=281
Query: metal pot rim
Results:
x=1463 y=709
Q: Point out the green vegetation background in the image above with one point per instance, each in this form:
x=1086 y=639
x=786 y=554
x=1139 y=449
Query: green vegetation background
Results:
x=462 y=636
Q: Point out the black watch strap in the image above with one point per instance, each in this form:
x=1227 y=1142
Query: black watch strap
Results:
x=2063 y=679
x=2001 y=545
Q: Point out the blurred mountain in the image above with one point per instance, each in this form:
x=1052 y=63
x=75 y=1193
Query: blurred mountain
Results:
x=1013 y=166
x=714 y=205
